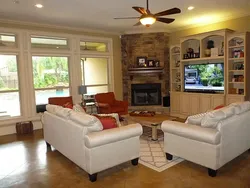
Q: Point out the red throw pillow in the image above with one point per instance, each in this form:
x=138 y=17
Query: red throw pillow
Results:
x=108 y=122
x=218 y=107
x=68 y=105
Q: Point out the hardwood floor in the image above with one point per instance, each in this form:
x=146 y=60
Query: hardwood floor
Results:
x=25 y=162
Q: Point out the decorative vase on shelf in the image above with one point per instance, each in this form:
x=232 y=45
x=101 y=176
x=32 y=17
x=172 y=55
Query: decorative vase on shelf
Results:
x=210 y=44
x=208 y=52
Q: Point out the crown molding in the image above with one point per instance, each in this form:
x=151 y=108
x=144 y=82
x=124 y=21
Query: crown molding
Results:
x=59 y=27
x=146 y=30
x=98 y=31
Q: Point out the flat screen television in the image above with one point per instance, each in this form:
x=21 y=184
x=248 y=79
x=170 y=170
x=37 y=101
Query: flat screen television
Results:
x=204 y=78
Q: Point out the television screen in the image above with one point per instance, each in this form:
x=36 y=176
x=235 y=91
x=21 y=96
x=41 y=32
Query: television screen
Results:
x=204 y=77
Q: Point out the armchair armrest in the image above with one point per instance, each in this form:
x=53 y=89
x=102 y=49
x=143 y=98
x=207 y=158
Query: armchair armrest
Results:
x=194 y=132
x=103 y=105
x=108 y=136
x=121 y=103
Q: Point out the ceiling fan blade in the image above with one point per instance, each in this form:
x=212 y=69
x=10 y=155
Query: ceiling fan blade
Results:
x=127 y=18
x=140 y=10
x=169 y=12
x=165 y=20
x=137 y=24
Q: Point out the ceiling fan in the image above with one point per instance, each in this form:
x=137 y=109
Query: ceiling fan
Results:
x=147 y=18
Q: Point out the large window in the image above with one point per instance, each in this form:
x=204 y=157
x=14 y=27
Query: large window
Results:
x=93 y=46
x=7 y=40
x=51 y=77
x=9 y=86
x=49 y=42
x=95 y=74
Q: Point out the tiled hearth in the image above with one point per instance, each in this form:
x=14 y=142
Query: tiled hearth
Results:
x=157 y=109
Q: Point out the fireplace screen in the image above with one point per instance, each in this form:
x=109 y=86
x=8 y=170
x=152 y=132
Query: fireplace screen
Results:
x=146 y=94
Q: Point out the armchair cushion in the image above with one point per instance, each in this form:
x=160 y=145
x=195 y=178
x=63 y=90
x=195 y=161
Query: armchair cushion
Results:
x=120 y=103
x=107 y=103
x=117 y=109
x=108 y=98
x=103 y=105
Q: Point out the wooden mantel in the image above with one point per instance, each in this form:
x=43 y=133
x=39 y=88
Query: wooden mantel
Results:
x=145 y=70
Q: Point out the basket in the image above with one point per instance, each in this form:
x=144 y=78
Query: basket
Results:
x=24 y=127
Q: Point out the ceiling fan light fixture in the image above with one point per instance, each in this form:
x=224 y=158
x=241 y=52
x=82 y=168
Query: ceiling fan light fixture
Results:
x=147 y=20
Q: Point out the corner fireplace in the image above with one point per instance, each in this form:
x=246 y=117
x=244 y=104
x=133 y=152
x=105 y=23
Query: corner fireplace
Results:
x=146 y=94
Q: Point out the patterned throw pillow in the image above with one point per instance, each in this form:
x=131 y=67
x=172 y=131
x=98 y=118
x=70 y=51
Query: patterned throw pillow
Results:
x=108 y=122
x=68 y=105
x=114 y=115
x=78 y=108
x=218 y=107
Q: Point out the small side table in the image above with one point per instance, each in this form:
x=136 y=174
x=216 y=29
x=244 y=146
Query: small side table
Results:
x=91 y=106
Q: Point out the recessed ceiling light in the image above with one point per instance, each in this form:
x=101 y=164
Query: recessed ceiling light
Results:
x=190 y=8
x=16 y=1
x=38 y=5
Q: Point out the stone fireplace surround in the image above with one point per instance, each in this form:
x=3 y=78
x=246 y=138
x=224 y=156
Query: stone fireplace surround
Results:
x=153 y=46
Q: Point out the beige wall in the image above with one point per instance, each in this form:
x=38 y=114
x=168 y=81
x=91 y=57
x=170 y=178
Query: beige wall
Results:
x=116 y=47
x=117 y=68
x=239 y=24
x=98 y=66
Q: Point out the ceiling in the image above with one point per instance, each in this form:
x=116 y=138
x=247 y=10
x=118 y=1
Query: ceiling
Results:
x=99 y=14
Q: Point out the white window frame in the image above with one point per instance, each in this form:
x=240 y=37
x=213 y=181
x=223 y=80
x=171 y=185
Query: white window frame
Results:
x=110 y=88
x=50 y=88
x=48 y=52
x=24 y=53
x=16 y=90
x=97 y=54
x=17 y=51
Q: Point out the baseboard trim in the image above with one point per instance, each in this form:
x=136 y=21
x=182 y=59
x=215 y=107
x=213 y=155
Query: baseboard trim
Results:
x=11 y=129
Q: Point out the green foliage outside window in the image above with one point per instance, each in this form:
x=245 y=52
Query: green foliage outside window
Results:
x=8 y=73
x=1 y=83
x=50 y=72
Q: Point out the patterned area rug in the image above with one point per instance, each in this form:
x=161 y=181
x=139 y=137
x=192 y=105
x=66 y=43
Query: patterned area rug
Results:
x=152 y=152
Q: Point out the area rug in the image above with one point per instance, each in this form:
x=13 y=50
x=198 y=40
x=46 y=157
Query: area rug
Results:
x=152 y=153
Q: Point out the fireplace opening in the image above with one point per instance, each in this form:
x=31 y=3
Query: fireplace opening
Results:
x=146 y=94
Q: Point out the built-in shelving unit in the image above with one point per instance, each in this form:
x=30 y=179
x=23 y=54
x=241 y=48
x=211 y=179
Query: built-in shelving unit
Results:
x=238 y=69
x=204 y=59
x=232 y=53
x=175 y=73
x=204 y=48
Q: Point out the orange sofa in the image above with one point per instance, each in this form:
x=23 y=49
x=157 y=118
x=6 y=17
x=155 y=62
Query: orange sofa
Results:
x=106 y=104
